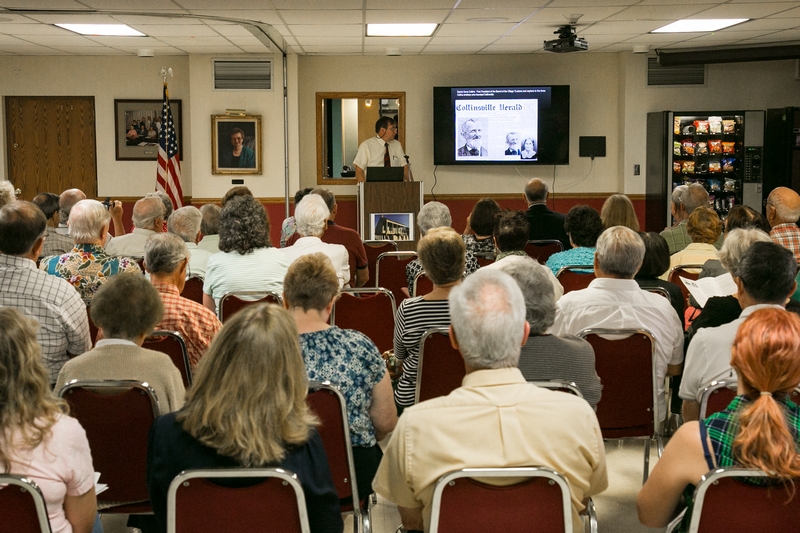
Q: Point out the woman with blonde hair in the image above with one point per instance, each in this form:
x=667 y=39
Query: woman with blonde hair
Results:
x=247 y=408
x=759 y=429
x=37 y=438
x=618 y=211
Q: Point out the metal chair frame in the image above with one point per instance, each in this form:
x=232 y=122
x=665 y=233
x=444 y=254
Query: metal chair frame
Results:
x=705 y=395
x=559 y=385
x=417 y=278
x=372 y=266
x=186 y=371
x=397 y=255
x=29 y=486
x=661 y=291
x=365 y=290
x=263 y=295
x=571 y=269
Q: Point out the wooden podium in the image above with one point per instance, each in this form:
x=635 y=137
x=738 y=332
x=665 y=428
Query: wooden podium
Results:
x=395 y=197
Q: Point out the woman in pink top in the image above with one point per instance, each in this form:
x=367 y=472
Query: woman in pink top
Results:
x=37 y=439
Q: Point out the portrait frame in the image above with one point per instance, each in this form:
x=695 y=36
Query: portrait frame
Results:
x=142 y=148
x=222 y=127
x=403 y=231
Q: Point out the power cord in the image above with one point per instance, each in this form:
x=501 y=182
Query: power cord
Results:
x=434 y=182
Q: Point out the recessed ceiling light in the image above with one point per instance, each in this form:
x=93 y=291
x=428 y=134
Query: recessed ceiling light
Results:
x=698 y=25
x=400 y=30
x=102 y=29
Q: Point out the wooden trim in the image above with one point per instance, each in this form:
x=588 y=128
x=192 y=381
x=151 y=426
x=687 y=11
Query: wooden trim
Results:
x=428 y=197
x=187 y=200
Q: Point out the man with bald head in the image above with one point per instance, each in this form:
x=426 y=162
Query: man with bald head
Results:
x=544 y=224
x=148 y=219
x=67 y=199
x=685 y=199
x=783 y=210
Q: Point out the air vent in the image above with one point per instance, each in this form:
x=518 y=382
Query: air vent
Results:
x=658 y=76
x=246 y=75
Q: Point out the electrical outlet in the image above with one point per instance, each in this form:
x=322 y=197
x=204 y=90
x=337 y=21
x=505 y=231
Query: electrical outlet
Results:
x=636 y=170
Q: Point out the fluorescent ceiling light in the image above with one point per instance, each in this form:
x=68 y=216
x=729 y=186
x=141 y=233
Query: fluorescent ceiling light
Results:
x=698 y=25
x=102 y=29
x=400 y=30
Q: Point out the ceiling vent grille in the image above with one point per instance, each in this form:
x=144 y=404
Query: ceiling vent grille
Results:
x=244 y=75
x=658 y=76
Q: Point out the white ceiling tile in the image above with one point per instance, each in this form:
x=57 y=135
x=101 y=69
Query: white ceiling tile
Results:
x=158 y=50
x=508 y=49
x=511 y=15
x=125 y=5
x=74 y=19
x=244 y=41
x=539 y=30
x=371 y=49
x=41 y=4
x=558 y=16
x=663 y=13
x=344 y=30
x=344 y=16
x=613 y=28
x=503 y=4
x=317 y=4
x=451 y=48
x=33 y=50
x=662 y=38
x=388 y=16
x=32 y=29
x=230 y=30
x=211 y=49
x=558 y=4
x=484 y=28
x=8 y=39
x=260 y=49
x=126 y=41
x=60 y=40
x=195 y=41
x=412 y=4
x=216 y=4
x=182 y=30
x=475 y=39
x=93 y=51
x=515 y=40
x=313 y=40
x=169 y=19
x=765 y=24
x=607 y=39
x=713 y=39
x=332 y=49
x=790 y=13
x=267 y=16
x=16 y=19
x=615 y=48
x=777 y=37
x=749 y=11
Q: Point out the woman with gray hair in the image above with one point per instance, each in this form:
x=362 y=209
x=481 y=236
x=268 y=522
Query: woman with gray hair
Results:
x=209 y=227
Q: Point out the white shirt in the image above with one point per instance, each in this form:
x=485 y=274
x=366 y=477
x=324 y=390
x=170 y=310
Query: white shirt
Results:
x=129 y=245
x=620 y=303
x=370 y=153
x=336 y=252
x=198 y=259
x=210 y=243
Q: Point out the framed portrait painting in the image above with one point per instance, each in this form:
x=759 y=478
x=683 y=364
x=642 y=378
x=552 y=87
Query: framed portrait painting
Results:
x=137 y=126
x=236 y=144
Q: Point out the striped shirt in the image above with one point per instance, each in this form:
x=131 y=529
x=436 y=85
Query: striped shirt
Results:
x=414 y=317
x=261 y=270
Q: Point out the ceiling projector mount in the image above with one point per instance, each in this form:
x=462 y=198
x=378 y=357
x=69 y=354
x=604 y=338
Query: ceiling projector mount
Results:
x=568 y=40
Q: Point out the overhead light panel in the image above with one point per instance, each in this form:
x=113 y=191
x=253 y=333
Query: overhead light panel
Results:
x=114 y=30
x=400 y=30
x=698 y=25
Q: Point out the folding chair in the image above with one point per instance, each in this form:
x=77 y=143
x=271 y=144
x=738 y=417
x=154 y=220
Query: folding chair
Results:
x=715 y=397
x=116 y=416
x=374 y=249
x=572 y=280
x=543 y=249
x=539 y=502
x=626 y=364
x=329 y=405
x=172 y=344
x=233 y=302
x=723 y=502
x=390 y=272
x=93 y=329
x=22 y=506
x=661 y=291
x=370 y=311
x=196 y=503
x=675 y=274
x=569 y=387
x=422 y=285
x=443 y=368
x=193 y=289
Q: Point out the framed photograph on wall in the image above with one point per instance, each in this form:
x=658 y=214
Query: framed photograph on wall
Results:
x=236 y=144
x=137 y=126
x=391 y=226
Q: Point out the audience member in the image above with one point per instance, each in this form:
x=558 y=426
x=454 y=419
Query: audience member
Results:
x=618 y=211
x=494 y=419
x=168 y=207
x=185 y=222
x=765 y=278
x=584 y=226
x=209 y=227
x=510 y=234
x=441 y=252
x=7 y=193
x=759 y=429
x=615 y=301
x=685 y=199
x=544 y=223
x=345 y=357
x=247 y=409
x=744 y=216
x=545 y=356
x=478 y=235
x=148 y=219
x=166 y=257
x=39 y=441
x=66 y=200
x=88 y=265
x=54 y=243
x=654 y=265
x=704 y=228
x=783 y=211
x=63 y=325
x=248 y=262
x=289 y=227
x=239 y=190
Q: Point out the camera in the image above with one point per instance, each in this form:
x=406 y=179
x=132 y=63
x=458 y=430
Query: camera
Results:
x=108 y=203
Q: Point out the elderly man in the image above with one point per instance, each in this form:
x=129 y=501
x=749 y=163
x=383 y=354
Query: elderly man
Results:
x=765 y=278
x=166 y=257
x=165 y=199
x=55 y=243
x=88 y=264
x=209 y=227
x=544 y=224
x=148 y=219
x=64 y=326
x=783 y=210
x=472 y=132
x=495 y=419
x=185 y=223
x=683 y=204
x=7 y=193
x=311 y=216
x=383 y=150
x=614 y=300
x=67 y=199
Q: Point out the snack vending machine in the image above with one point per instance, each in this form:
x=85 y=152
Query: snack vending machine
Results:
x=720 y=150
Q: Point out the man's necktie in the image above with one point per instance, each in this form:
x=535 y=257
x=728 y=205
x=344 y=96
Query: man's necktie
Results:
x=387 y=161
x=473 y=151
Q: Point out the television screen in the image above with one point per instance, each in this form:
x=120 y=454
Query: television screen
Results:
x=501 y=125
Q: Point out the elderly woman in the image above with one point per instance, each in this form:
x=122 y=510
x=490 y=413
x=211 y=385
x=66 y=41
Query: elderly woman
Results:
x=37 y=438
x=740 y=216
x=247 y=408
x=584 y=226
x=655 y=263
x=544 y=356
x=480 y=223
x=704 y=228
x=185 y=222
x=248 y=262
x=528 y=149
x=209 y=227
x=618 y=211
x=289 y=226
x=442 y=254
x=345 y=357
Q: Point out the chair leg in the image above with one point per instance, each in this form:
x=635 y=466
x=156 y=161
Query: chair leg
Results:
x=660 y=442
x=590 y=522
x=646 y=461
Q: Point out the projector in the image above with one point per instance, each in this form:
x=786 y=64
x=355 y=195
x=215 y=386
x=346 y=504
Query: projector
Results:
x=567 y=41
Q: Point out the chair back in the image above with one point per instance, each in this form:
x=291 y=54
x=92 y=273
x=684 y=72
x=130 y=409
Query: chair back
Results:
x=390 y=272
x=374 y=249
x=440 y=368
x=197 y=502
x=172 y=344
x=569 y=387
x=233 y=302
x=422 y=285
x=575 y=281
x=679 y=271
x=539 y=502
x=193 y=289
x=116 y=416
x=484 y=258
x=661 y=291
x=93 y=329
x=716 y=396
x=22 y=506
x=543 y=249
x=370 y=311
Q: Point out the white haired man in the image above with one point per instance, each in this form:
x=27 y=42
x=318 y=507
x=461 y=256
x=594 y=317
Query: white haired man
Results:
x=783 y=211
x=148 y=219
x=685 y=199
x=496 y=417
x=185 y=223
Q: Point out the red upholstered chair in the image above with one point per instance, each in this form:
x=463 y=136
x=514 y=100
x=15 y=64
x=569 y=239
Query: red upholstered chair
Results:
x=542 y=250
x=625 y=360
x=390 y=272
x=193 y=289
x=572 y=280
x=679 y=271
x=93 y=329
x=723 y=503
x=484 y=259
x=716 y=396
x=422 y=285
x=233 y=302
x=569 y=387
x=374 y=249
x=440 y=368
x=370 y=311
x=22 y=506
x=196 y=504
x=172 y=344
x=116 y=416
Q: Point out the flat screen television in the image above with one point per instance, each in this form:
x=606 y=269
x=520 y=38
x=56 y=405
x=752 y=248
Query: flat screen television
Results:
x=506 y=125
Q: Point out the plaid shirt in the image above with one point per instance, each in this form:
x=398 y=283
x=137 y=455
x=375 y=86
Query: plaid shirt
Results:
x=196 y=324
x=788 y=236
x=677 y=238
x=56 y=243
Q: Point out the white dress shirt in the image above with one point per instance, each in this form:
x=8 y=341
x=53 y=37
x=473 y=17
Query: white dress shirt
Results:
x=336 y=252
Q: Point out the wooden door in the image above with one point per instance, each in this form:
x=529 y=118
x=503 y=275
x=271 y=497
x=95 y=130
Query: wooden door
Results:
x=51 y=144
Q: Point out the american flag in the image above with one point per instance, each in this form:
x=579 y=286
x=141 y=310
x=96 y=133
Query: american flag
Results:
x=168 y=178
